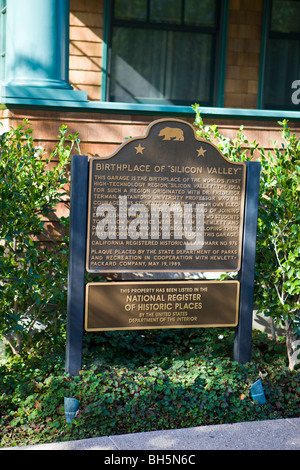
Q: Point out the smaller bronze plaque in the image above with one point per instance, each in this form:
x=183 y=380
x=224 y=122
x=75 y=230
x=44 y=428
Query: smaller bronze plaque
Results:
x=161 y=304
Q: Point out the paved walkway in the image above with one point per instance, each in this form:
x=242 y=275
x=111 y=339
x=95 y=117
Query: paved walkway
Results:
x=282 y=434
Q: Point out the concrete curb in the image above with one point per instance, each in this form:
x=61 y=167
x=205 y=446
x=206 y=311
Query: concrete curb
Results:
x=281 y=434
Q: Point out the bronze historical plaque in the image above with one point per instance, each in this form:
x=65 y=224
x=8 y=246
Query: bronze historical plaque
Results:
x=166 y=201
x=161 y=304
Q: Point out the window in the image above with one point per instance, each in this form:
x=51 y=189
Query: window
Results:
x=164 y=51
x=281 y=68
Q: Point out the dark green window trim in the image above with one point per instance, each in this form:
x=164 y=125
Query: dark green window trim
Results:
x=219 y=72
x=62 y=105
x=265 y=24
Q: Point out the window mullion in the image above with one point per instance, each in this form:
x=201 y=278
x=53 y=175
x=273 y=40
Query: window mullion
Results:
x=182 y=11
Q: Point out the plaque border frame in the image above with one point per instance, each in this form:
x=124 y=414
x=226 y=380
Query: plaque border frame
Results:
x=148 y=269
x=159 y=283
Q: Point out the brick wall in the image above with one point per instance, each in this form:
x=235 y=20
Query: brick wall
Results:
x=100 y=134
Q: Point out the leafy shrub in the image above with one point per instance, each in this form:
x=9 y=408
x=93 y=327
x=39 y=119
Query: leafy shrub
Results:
x=142 y=381
x=132 y=381
x=277 y=280
x=33 y=274
x=278 y=241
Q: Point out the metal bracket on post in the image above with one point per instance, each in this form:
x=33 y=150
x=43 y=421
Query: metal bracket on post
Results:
x=77 y=255
x=243 y=333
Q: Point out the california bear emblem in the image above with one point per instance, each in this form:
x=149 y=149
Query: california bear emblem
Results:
x=171 y=133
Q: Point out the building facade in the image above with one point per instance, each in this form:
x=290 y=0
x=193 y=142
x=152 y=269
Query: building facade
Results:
x=107 y=68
